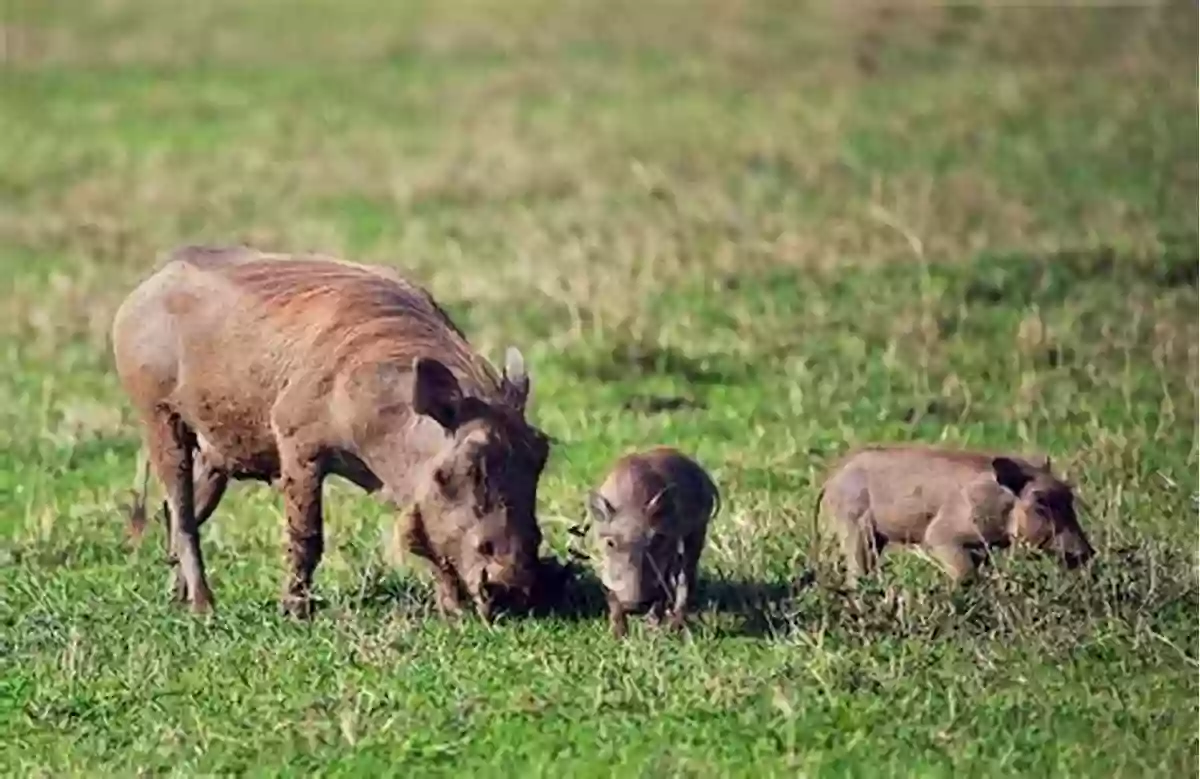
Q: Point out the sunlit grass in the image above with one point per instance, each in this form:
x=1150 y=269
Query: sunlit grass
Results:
x=796 y=229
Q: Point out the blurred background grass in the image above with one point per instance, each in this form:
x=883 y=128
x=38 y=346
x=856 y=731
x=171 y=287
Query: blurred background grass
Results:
x=800 y=225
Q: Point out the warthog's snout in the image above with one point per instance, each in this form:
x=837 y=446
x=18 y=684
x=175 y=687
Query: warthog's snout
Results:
x=1079 y=555
x=635 y=591
x=1073 y=549
x=501 y=583
x=515 y=587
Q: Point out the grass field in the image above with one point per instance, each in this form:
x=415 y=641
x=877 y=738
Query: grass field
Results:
x=804 y=226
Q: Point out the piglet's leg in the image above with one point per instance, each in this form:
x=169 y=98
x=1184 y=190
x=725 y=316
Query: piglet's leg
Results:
x=948 y=539
x=955 y=560
x=618 y=620
x=658 y=610
x=685 y=583
x=860 y=546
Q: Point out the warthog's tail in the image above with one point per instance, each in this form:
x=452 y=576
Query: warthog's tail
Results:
x=814 y=546
x=715 y=491
x=137 y=509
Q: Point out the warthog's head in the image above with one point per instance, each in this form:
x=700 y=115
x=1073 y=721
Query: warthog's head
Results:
x=1044 y=513
x=636 y=558
x=478 y=495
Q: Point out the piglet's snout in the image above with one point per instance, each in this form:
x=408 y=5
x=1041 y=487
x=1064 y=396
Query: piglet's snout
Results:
x=1074 y=549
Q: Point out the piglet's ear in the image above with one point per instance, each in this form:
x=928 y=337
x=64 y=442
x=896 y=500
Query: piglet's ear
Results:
x=1038 y=461
x=1010 y=474
x=657 y=503
x=601 y=510
x=436 y=393
x=516 y=378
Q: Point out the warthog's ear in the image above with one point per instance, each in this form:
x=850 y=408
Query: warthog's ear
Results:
x=601 y=509
x=436 y=393
x=657 y=503
x=516 y=378
x=1010 y=474
x=1040 y=462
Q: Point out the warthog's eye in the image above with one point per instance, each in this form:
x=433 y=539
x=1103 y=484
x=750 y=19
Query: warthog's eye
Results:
x=1052 y=504
x=445 y=482
x=486 y=548
x=610 y=543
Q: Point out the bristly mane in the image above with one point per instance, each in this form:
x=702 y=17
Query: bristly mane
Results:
x=362 y=313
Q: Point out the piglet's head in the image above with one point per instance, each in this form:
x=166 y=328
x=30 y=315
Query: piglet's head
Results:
x=1044 y=513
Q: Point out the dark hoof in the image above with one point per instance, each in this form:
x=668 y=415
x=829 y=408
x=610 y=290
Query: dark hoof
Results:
x=297 y=607
x=135 y=513
x=449 y=607
x=177 y=588
x=204 y=606
x=485 y=611
x=677 y=622
x=619 y=624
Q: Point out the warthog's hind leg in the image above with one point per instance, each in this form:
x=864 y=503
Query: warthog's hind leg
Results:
x=172 y=448
x=208 y=488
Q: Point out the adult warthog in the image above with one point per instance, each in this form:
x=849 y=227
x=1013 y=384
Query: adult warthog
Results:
x=287 y=368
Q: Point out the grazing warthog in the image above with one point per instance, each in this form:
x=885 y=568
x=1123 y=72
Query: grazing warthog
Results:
x=285 y=369
x=651 y=518
x=956 y=504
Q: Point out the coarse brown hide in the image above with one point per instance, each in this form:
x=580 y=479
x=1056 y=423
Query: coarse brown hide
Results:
x=651 y=518
x=957 y=504
x=288 y=368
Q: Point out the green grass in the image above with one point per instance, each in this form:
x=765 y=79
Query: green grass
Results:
x=818 y=225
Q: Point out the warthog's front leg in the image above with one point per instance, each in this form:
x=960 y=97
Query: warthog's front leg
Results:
x=300 y=482
x=447 y=590
x=484 y=605
x=445 y=579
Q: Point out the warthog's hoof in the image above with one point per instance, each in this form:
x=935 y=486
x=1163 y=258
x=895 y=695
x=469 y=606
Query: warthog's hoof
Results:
x=485 y=607
x=297 y=607
x=677 y=622
x=177 y=587
x=619 y=624
x=656 y=615
x=204 y=605
x=449 y=606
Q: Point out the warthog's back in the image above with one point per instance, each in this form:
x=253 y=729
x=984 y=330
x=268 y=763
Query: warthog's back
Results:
x=905 y=483
x=637 y=479
x=218 y=333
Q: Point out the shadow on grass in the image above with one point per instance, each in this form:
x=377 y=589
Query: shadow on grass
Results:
x=761 y=608
x=1025 y=598
x=574 y=593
